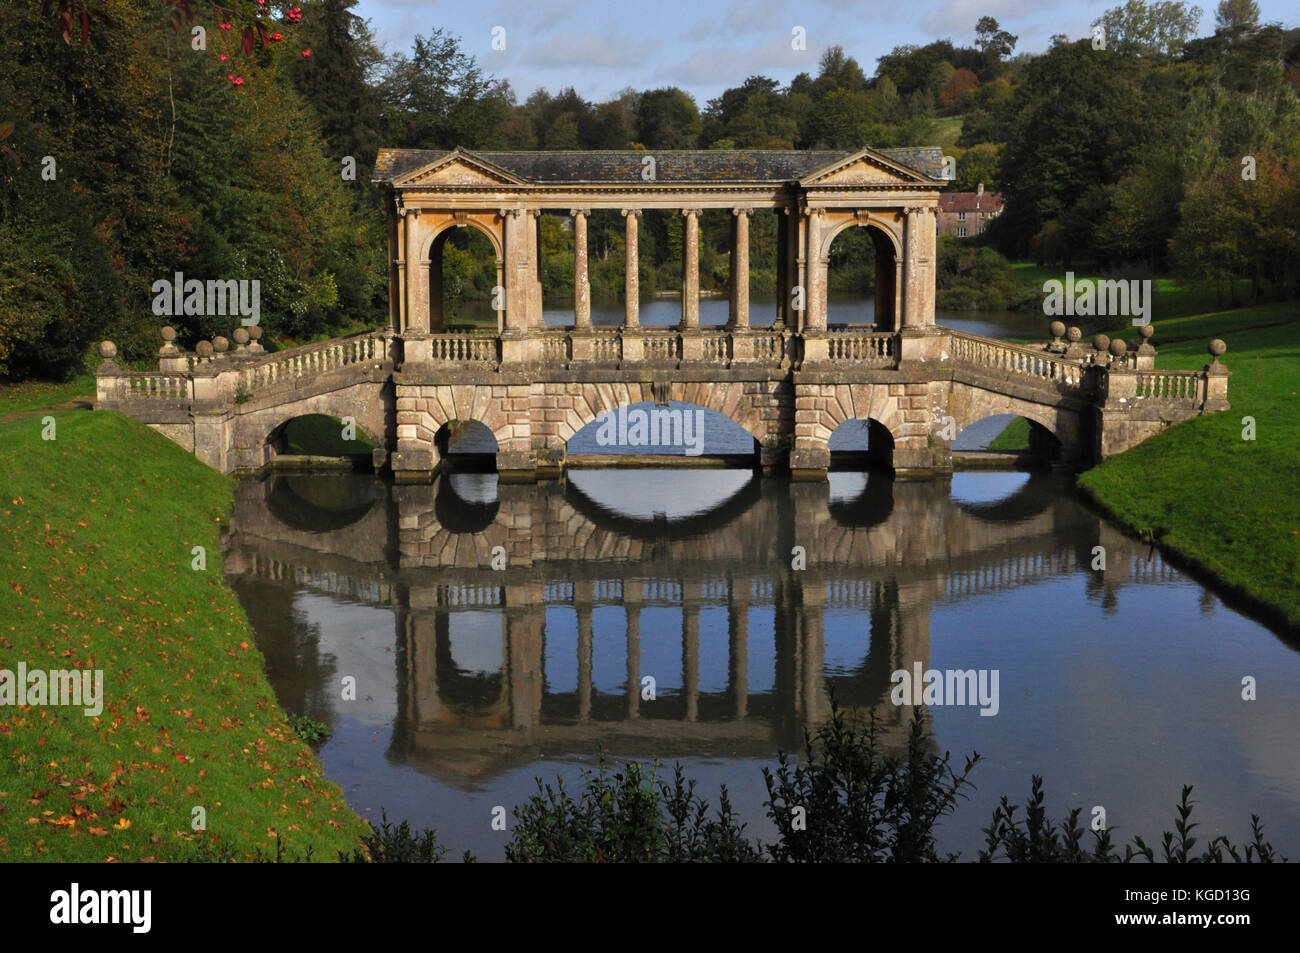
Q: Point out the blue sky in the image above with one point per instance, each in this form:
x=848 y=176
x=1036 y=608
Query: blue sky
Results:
x=705 y=46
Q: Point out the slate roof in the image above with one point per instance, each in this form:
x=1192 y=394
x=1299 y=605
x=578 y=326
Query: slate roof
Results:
x=970 y=202
x=713 y=166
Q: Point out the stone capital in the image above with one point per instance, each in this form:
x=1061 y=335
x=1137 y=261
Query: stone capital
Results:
x=575 y=212
x=743 y=210
x=630 y=211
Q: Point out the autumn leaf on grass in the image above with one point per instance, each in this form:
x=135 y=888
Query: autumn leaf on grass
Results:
x=122 y=824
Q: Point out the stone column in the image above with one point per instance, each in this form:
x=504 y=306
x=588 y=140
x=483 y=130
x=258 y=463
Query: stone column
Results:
x=740 y=269
x=792 y=276
x=782 y=266
x=436 y=322
x=397 y=304
x=415 y=311
x=800 y=315
x=816 y=280
x=581 y=282
x=632 y=279
x=691 y=269
x=918 y=255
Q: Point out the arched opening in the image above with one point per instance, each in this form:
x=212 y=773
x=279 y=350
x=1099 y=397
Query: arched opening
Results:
x=464 y=268
x=466 y=502
x=860 y=444
x=466 y=446
x=861 y=498
x=1004 y=497
x=862 y=279
x=1005 y=441
x=656 y=504
x=650 y=431
x=320 y=502
x=322 y=437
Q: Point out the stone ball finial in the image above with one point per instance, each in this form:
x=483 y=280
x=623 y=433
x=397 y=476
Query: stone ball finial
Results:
x=255 y=332
x=107 y=350
x=1074 y=335
x=203 y=349
x=1057 y=328
x=1217 y=349
x=1146 y=331
x=220 y=344
x=1118 y=348
x=168 y=334
x=1101 y=342
x=240 y=336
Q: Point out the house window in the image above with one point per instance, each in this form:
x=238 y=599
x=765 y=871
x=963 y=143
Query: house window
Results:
x=961 y=216
x=961 y=231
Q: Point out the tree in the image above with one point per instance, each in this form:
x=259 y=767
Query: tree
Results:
x=996 y=44
x=667 y=119
x=1158 y=28
x=1236 y=17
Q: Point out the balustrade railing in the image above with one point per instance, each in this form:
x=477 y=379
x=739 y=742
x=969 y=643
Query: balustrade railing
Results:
x=1015 y=359
x=606 y=345
x=1183 y=386
x=463 y=347
x=662 y=344
x=153 y=385
x=312 y=359
x=861 y=345
x=557 y=346
x=717 y=346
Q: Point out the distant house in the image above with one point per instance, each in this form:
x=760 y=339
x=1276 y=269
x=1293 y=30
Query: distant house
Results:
x=965 y=214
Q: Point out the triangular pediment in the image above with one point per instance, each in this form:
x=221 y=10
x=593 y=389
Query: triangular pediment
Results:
x=458 y=167
x=865 y=167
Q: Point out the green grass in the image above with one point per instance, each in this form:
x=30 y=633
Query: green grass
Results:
x=1173 y=298
x=945 y=131
x=96 y=572
x=322 y=435
x=1014 y=437
x=37 y=395
x=1227 y=504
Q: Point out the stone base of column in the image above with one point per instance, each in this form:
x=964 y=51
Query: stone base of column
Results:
x=633 y=345
x=582 y=340
x=520 y=347
x=692 y=345
x=921 y=344
x=416 y=349
x=816 y=348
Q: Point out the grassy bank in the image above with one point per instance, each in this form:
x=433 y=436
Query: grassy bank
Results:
x=96 y=572
x=1227 y=504
x=35 y=395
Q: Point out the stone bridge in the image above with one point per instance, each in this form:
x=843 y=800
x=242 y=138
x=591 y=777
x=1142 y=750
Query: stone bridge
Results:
x=789 y=383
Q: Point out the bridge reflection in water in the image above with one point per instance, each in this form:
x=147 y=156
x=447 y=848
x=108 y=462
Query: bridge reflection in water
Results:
x=688 y=579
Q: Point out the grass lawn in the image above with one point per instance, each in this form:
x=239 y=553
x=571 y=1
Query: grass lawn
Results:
x=96 y=573
x=1228 y=504
x=1172 y=297
x=37 y=395
x=1014 y=437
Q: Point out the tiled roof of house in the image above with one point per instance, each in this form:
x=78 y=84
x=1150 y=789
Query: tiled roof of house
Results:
x=625 y=166
x=970 y=202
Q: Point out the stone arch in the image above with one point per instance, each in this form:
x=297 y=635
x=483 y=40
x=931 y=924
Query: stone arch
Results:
x=885 y=228
x=728 y=399
x=259 y=429
x=888 y=246
x=445 y=227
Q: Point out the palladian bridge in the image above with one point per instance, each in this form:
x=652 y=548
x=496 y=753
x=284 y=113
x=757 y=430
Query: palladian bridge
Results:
x=789 y=383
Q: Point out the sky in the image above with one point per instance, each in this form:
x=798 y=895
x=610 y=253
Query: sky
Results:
x=600 y=47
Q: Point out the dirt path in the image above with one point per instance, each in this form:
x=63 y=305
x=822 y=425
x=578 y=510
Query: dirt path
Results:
x=76 y=403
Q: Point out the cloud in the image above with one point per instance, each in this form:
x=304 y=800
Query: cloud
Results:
x=585 y=51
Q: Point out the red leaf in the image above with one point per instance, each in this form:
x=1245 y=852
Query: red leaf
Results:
x=6 y=130
x=85 y=27
x=248 y=41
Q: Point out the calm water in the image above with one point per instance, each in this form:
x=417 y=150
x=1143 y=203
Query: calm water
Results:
x=662 y=312
x=1118 y=686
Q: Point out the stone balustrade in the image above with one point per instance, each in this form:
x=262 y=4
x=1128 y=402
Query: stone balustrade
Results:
x=862 y=345
x=464 y=347
x=1182 y=386
x=1016 y=359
